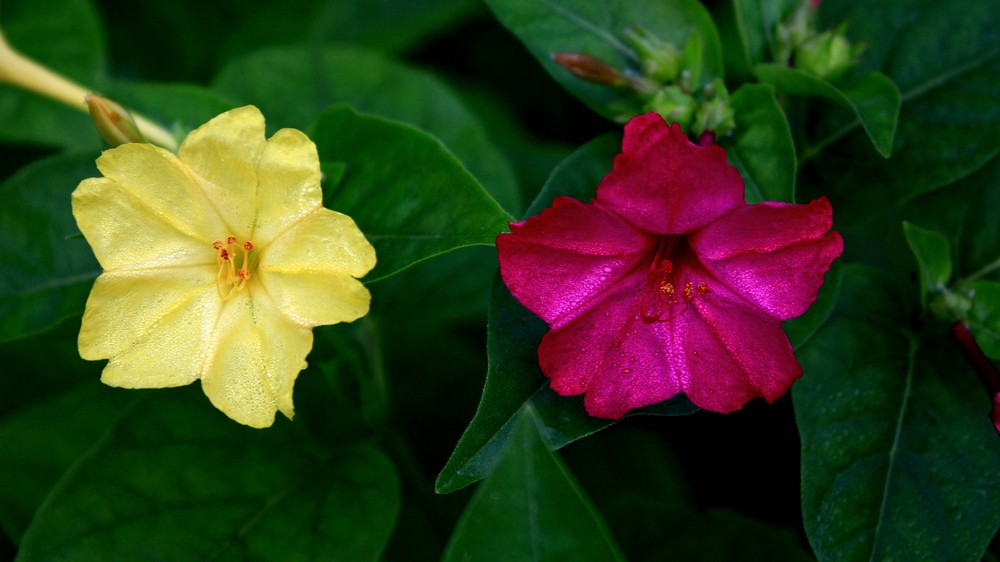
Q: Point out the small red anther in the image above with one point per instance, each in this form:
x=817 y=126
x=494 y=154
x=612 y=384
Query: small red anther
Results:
x=247 y=246
x=217 y=244
x=231 y=240
x=224 y=254
x=242 y=273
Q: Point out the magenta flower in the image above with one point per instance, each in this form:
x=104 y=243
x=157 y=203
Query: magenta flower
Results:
x=668 y=281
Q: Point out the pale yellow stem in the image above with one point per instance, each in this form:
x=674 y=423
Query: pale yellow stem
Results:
x=20 y=71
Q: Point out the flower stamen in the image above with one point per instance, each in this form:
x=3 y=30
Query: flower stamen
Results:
x=660 y=291
x=233 y=277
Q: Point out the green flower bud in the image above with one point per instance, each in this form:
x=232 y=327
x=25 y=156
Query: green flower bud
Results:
x=715 y=115
x=828 y=55
x=674 y=105
x=660 y=60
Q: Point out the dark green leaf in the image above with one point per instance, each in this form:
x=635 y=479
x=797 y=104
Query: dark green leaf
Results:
x=65 y=36
x=389 y=25
x=37 y=446
x=530 y=508
x=174 y=479
x=945 y=59
x=933 y=258
x=984 y=316
x=47 y=273
x=755 y=24
x=514 y=377
x=898 y=456
x=410 y=196
x=874 y=99
x=596 y=28
x=762 y=146
x=312 y=79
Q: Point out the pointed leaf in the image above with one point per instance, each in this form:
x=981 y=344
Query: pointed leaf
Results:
x=410 y=196
x=933 y=258
x=530 y=508
x=898 y=459
x=944 y=58
x=874 y=98
x=596 y=28
x=174 y=479
x=762 y=147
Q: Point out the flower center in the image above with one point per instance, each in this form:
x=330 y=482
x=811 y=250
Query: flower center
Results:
x=661 y=290
x=236 y=265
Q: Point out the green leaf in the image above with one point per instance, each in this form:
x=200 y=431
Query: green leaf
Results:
x=388 y=25
x=410 y=196
x=933 y=258
x=530 y=508
x=174 y=479
x=874 y=99
x=898 y=459
x=371 y=83
x=514 y=377
x=944 y=58
x=984 y=316
x=47 y=272
x=596 y=28
x=65 y=36
x=37 y=446
x=762 y=146
x=755 y=26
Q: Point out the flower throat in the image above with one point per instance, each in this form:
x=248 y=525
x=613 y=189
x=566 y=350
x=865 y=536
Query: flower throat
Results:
x=660 y=291
x=237 y=263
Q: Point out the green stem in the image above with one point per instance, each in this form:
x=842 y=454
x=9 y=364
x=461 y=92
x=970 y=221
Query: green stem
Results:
x=990 y=268
x=20 y=71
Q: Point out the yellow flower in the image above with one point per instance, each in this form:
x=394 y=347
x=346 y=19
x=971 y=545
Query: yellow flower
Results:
x=218 y=262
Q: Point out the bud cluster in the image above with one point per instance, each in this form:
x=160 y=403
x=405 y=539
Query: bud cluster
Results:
x=827 y=55
x=668 y=82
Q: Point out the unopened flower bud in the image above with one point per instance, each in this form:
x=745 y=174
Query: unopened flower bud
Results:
x=591 y=69
x=674 y=105
x=715 y=114
x=115 y=125
x=828 y=55
x=660 y=60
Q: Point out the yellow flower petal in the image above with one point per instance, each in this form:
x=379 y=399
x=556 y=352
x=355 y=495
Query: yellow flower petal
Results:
x=313 y=299
x=155 y=328
x=324 y=242
x=310 y=270
x=128 y=231
x=288 y=185
x=257 y=357
x=225 y=152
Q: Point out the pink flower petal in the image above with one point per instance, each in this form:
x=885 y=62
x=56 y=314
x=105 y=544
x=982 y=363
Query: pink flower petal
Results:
x=662 y=183
x=618 y=360
x=760 y=358
x=773 y=254
x=558 y=262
